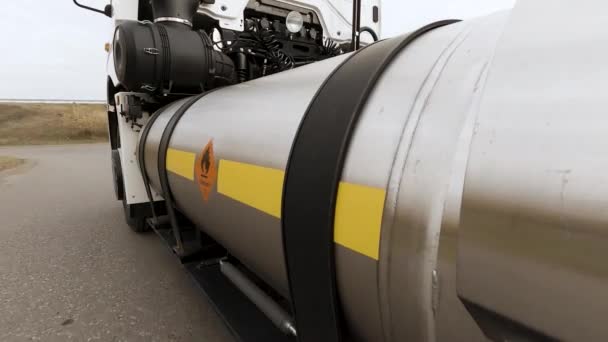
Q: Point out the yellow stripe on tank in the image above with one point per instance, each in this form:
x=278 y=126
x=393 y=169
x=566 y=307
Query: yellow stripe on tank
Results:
x=359 y=208
x=358 y=218
x=181 y=163
x=256 y=186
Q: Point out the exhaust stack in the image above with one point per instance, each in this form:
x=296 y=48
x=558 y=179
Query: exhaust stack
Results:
x=178 y=11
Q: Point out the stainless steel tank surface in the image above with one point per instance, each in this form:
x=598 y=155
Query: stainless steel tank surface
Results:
x=474 y=175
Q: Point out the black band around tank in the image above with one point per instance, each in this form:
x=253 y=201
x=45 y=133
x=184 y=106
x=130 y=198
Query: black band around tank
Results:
x=141 y=147
x=163 y=177
x=310 y=187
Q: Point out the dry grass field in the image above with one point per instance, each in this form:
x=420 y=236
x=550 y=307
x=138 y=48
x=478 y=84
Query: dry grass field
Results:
x=41 y=123
x=9 y=162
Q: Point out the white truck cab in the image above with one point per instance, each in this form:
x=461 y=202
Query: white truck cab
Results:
x=334 y=17
x=255 y=38
x=441 y=185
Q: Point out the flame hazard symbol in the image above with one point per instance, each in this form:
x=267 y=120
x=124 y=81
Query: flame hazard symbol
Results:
x=206 y=170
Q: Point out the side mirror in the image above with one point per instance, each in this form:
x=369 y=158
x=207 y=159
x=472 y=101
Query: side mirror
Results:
x=107 y=11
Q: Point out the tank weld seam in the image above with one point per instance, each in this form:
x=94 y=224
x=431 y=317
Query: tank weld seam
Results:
x=433 y=222
x=438 y=216
x=455 y=185
x=401 y=157
x=468 y=133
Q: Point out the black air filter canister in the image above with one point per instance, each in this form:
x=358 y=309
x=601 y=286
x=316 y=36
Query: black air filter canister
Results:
x=168 y=57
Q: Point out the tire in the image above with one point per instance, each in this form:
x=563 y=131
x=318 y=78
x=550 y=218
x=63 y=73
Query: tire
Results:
x=119 y=188
x=134 y=217
x=137 y=223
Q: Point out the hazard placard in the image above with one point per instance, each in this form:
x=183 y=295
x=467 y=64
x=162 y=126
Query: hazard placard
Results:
x=206 y=170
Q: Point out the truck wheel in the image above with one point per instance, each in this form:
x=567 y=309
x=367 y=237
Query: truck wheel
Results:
x=133 y=217
x=137 y=223
x=119 y=189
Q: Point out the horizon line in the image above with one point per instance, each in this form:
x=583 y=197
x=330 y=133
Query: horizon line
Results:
x=50 y=101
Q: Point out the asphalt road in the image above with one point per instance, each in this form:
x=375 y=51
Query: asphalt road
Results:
x=70 y=268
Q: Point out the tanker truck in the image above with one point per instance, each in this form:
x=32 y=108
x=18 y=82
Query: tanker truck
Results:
x=321 y=184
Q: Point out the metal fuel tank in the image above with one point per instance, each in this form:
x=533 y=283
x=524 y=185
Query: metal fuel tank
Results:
x=453 y=200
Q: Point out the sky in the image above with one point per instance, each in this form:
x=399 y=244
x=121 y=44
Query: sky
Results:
x=52 y=49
